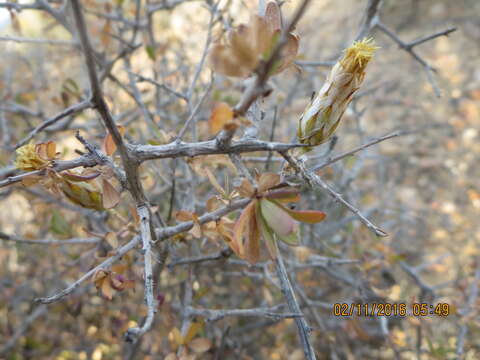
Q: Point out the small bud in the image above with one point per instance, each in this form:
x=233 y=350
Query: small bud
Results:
x=322 y=116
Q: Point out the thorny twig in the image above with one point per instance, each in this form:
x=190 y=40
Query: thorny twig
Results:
x=313 y=179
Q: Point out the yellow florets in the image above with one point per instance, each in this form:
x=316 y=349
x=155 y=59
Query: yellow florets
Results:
x=358 y=55
x=28 y=158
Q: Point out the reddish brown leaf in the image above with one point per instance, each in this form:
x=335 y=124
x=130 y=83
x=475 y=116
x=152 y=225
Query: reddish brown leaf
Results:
x=306 y=216
x=286 y=195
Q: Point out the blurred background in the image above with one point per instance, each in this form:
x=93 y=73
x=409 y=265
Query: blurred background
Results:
x=420 y=187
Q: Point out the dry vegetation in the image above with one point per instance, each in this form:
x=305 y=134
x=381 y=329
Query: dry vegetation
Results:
x=128 y=241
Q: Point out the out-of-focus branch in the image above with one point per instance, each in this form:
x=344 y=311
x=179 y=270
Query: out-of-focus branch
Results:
x=223 y=254
x=370 y=18
x=408 y=47
x=37 y=41
x=215 y=315
x=72 y=241
x=467 y=310
x=85 y=104
x=38 y=312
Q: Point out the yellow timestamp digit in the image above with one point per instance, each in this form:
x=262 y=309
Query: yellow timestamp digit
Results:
x=420 y=309
x=442 y=309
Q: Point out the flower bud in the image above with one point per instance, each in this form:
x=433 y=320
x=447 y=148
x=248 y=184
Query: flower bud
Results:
x=322 y=116
x=29 y=159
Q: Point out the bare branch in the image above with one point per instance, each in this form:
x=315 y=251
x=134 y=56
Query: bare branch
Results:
x=215 y=315
x=313 y=179
x=287 y=290
x=67 y=112
x=133 y=334
x=72 y=241
x=355 y=150
x=104 y=265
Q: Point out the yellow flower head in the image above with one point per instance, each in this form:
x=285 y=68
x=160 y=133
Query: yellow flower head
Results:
x=358 y=55
x=28 y=158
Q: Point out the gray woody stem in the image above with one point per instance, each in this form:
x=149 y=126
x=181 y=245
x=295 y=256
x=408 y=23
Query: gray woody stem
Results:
x=287 y=290
x=130 y=165
x=145 y=230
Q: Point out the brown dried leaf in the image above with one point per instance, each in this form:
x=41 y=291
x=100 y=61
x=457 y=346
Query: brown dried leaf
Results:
x=289 y=53
x=215 y=183
x=252 y=252
x=222 y=113
x=110 y=196
x=261 y=35
x=183 y=215
x=119 y=268
x=246 y=189
x=240 y=227
x=105 y=33
x=107 y=289
x=111 y=238
x=267 y=181
x=273 y=16
x=222 y=61
x=51 y=150
x=200 y=345
x=108 y=146
x=99 y=278
x=241 y=47
x=212 y=204
x=31 y=180
x=177 y=336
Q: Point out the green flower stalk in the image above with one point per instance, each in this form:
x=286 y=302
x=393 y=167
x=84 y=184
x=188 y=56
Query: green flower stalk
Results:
x=321 y=118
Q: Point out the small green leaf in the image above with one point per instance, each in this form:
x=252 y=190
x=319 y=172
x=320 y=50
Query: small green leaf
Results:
x=150 y=52
x=59 y=225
